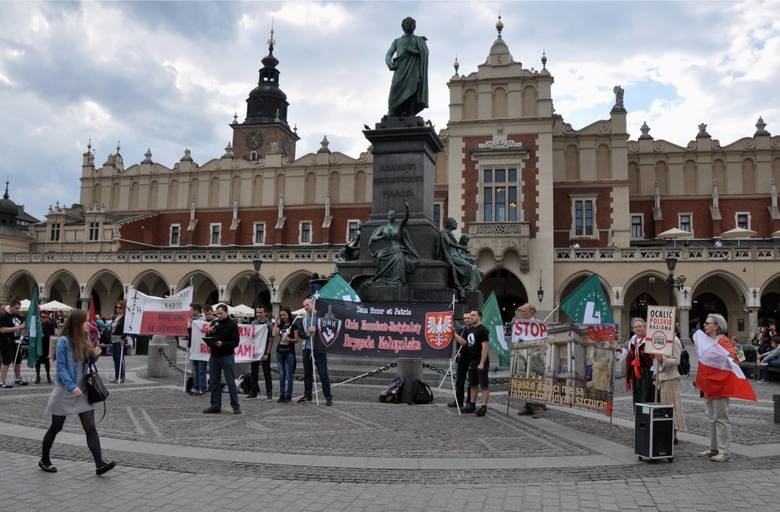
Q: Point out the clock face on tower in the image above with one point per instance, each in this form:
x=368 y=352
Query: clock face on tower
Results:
x=254 y=139
x=286 y=145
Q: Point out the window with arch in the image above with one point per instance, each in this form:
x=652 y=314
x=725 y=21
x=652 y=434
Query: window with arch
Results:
x=634 y=187
x=499 y=102
x=470 y=104
x=309 y=188
x=135 y=192
x=500 y=187
x=214 y=192
x=173 y=194
x=662 y=176
x=572 y=163
x=748 y=176
x=360 y=187
x=530 y=108
x=690 y=178
x=719 y=173
x=334 y=184
x=603 y=162
x=280 y=185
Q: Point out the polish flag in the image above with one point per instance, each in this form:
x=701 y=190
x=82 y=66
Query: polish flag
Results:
x=719 y=376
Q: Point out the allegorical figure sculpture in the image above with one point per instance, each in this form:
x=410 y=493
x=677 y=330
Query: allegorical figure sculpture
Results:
x=351 y=250
x=465 y=274
x=409 y=89
x=393 y=249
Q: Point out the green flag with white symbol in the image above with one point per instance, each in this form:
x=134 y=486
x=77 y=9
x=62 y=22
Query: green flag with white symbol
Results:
x=32 y=325
x=587 y=304
x=491 y=319
x=337 y=288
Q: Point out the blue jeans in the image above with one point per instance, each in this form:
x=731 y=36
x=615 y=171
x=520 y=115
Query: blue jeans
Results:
x=118 y=354
x=199 y=375
x=773 y=363
x=285 y=362
x=217 y=366
x=321 y=363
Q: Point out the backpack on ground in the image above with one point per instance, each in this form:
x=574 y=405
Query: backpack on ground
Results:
x=421 y=393
x=392 y=394
x=244 y=383
x=684 y=367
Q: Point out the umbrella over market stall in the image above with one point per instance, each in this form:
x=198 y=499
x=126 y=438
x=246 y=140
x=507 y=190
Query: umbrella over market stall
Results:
x=55 y=306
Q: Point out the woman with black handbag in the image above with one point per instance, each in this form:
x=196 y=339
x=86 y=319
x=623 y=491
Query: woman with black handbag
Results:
x=68 y=397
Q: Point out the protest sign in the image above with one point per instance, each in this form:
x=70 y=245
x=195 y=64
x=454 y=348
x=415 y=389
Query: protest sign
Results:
x=660 y=330
x=251 y=346
x=164 y=316
x=366 y=329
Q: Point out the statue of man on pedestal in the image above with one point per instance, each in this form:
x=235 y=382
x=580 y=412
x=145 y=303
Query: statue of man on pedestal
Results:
x=409 y=88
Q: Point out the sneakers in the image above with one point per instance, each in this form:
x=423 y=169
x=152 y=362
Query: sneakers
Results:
x=47 y=467
x=37 y=380
x=304 y=400
x=20 y=382
x=721 y=457
x=469 y=408
x=708 y=453
x=105 y=467
x=211 y=410
x=6 y=385
x=281 y=399
x=329 y=402
x=482 y=410
x=270 y=398
x=288 y=398
x=236 y=410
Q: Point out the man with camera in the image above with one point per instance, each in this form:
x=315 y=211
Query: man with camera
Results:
x=222 y=340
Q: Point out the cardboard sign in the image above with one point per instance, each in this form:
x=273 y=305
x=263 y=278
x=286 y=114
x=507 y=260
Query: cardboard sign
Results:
x=659 y=338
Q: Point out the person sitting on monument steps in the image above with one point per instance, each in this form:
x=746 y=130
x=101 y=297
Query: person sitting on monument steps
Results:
x=475 y=340
x=409 y=88
x=223 y=339
x=320 y=359
x=393 y=249
x=465 y=274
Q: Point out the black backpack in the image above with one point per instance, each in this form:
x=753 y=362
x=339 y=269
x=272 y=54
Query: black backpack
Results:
x=392 y=394
x=685 y=362
x=421 y=393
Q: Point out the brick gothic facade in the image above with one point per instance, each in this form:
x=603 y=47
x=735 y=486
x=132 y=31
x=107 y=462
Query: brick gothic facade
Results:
x=544 y=204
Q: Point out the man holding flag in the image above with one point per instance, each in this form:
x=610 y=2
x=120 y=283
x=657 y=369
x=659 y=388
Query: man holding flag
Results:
x=719 y=377
x=11 y=329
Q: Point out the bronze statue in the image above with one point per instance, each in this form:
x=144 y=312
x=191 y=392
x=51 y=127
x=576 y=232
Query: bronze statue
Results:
x=409 y=88
x=351 y=250
x=393 y=249
x=465 y=274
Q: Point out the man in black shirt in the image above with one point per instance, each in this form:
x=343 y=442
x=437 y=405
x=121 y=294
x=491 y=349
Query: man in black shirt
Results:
x=223 y=339
x=11 y=329
x=265 y=359
x=462 y=370
x=475 y=340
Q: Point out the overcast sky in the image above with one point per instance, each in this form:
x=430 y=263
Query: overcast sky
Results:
x=169 y=76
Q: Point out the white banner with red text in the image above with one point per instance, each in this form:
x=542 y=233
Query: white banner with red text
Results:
x=161 y=316
x=251 y=346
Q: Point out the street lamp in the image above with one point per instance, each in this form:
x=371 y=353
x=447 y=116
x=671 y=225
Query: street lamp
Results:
x=673 y=282
x=540 y=291
x=256 y=281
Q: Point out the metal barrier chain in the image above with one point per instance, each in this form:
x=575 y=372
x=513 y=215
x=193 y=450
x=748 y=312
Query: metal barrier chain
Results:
x=339 y=380
x=440 y=371
x=171 y=363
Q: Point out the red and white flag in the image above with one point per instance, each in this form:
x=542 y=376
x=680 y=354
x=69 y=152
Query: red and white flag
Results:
x=719 y=375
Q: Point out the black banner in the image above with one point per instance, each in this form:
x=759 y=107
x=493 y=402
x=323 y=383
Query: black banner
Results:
x=404 y=330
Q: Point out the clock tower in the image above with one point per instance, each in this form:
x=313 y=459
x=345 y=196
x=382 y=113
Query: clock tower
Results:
x=265 y=129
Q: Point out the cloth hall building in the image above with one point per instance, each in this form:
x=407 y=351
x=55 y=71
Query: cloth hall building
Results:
x=543 y=203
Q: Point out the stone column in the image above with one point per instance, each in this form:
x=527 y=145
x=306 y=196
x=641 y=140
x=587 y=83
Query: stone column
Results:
x=752 y=321
x=684 y=321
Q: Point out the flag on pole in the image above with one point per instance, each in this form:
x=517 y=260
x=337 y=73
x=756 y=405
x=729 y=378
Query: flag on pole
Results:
x=587 y=304
x=719 y=375
x=337 y=289
x=491 y=318
x=33 y=325
x=94 y=331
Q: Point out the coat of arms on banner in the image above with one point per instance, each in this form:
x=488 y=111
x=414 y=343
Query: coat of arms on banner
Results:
x=438 y=329
x=329 y=327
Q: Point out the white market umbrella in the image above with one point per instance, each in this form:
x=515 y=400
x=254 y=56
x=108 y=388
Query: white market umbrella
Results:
x=55 y=306
x=241 y=310
x=25 y=305
x=674 y=234
x=738 y=233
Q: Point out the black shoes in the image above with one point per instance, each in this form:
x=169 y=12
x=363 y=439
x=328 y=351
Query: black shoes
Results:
x=211 y=410
x=47 y=467
x=482 y=410
x=469 y=408
x=329 y=402
x=105 y=468
x=236 y=410
x=251 y=396
x=304 y=400
x=281 y=399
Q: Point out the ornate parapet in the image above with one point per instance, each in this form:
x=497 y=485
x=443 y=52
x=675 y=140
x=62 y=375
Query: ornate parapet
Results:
x=499 y=237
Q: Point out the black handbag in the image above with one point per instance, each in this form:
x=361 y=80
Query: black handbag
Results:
x=96 y=390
